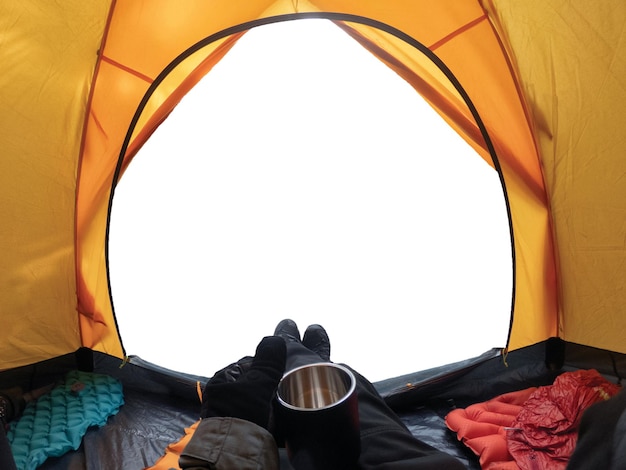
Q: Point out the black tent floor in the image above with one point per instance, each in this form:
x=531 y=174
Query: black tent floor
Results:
x=160 y=404
x=138 y=435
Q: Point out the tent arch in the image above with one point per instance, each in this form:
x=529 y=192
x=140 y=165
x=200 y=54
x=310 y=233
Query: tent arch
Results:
x=66 y=114
x=123 y=161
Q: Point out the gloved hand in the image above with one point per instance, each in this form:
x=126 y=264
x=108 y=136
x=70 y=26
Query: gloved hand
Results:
x=250 y=396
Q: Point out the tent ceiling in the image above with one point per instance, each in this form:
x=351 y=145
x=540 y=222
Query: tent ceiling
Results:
x=75 y=76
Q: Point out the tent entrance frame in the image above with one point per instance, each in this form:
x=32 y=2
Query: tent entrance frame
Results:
x=334 y=17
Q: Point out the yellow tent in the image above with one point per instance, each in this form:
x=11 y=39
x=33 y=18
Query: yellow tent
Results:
x=535 y=87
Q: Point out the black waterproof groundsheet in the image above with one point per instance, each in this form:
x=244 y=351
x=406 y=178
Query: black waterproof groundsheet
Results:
x=138 y=435
x=160 y=404
x=134 y=438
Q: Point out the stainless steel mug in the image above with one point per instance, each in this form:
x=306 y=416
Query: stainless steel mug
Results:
x=318 y=417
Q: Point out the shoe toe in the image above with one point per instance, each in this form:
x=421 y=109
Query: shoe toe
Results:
x=288 y=329
x=316 y=339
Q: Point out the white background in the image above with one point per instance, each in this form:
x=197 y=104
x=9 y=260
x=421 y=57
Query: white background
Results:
x=303 y=179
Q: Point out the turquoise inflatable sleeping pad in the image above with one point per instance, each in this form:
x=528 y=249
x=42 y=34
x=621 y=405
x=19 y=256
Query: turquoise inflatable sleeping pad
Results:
x=57 y=421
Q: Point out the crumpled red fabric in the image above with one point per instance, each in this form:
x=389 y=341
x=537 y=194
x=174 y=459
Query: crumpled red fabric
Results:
x=544 y=434
x=535 y=428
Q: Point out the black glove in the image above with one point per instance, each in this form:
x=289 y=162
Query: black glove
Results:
x=250 y=396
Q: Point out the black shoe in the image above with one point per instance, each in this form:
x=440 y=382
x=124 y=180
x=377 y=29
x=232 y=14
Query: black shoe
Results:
x=316 y=339
x=288 y=330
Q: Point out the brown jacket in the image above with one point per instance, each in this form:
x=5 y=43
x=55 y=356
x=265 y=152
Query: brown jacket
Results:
x=230 y=444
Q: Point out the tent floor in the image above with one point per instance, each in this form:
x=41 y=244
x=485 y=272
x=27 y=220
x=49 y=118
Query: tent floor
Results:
x=160 y=404
x=138 y=435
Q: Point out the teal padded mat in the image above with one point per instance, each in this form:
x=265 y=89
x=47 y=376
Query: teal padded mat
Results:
x=57 y=421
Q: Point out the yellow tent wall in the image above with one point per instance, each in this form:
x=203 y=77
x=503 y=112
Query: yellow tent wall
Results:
x=48 y=55
x=544 y=80
x=571 y=59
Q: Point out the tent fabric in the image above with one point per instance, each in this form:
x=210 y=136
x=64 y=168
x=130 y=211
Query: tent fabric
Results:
x=84 y=84
x=494 y=75
x=160 y=404
x=571 y=78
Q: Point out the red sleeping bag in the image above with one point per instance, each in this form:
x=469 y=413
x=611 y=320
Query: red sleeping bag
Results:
x=535 y=428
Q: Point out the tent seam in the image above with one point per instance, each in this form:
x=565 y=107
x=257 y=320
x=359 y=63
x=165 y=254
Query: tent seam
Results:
x=457 y=32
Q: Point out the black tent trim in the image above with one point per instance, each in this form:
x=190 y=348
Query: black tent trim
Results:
x=310 y=15
x=160 y=403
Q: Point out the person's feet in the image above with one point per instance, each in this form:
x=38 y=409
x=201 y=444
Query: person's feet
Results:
x=316 y=339
x=288 y=330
